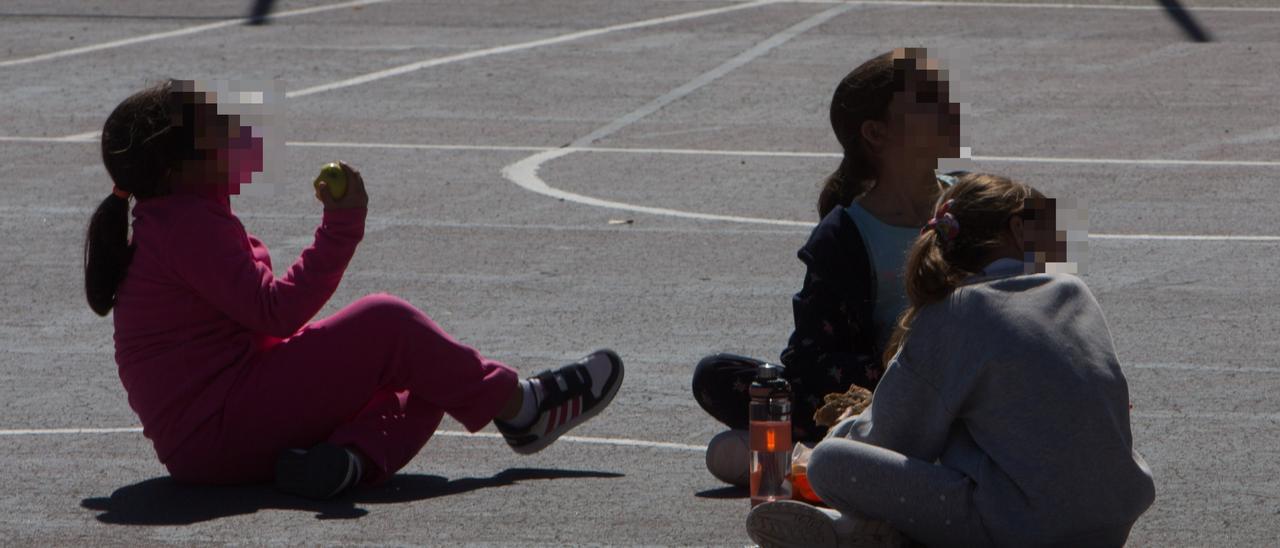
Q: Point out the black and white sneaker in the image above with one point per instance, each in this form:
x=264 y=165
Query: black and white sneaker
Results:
x=792 y=524
x=571 y=395
x=317 y=473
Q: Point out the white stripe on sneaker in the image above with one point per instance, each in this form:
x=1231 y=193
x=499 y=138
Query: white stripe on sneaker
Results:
x=551 y=421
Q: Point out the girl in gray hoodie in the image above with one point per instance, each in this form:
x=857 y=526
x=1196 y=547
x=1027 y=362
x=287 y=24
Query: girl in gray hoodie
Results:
x=1002 y=417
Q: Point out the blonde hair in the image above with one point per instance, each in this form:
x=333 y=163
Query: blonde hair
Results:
x=981 y=204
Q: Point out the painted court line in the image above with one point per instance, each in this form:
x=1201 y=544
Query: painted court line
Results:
x=524 y=173
x=708 y=77
x=378 y=222
x=1030 y=5
x=1200 y=368
x=411 y=67
x=177 y=33
x=91 y=137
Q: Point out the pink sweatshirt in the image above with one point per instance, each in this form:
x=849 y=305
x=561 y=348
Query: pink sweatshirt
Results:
x=200 y=300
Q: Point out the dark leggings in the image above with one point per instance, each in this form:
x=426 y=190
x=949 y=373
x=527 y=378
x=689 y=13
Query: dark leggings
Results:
x=720 y=384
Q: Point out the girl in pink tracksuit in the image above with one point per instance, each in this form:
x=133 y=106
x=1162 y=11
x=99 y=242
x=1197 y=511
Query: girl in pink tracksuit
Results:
x=231 y=382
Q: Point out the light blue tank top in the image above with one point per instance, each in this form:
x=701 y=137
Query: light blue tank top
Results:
x=887 y=247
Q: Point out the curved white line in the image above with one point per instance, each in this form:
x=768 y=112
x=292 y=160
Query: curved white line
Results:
x=525 y=174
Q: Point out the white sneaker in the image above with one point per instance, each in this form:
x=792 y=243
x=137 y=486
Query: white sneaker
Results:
x=729 y=457
x=791 y=524
x=573 y=394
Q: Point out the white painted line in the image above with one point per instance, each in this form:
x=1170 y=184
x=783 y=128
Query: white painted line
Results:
x=1226 y=416
x=14 y=139
x=377 y=222
x=70 y=431
x=91 y=136
x=484 y=148
x=710 y=76
x=1200 y=368
x=86 y=137
x=178 y=32
x=1126 y=161
x=1029 y=5
x=619 y=442
x=1186 y=237
x=411 y=67
x=525 y=175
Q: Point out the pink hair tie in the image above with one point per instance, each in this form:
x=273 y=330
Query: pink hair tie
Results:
x=123 y=195
x=944 y=223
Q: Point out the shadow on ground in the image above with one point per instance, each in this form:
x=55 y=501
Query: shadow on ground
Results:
x=728 y=492
x=162 y=501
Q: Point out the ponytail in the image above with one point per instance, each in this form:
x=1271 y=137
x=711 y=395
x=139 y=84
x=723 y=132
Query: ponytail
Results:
x=981 y=205
x=143 y=140
x=929 y=279
x=844 y=185
x=106 y=253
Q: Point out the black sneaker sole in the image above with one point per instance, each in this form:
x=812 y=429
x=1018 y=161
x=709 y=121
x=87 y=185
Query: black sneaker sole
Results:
x=318 y=473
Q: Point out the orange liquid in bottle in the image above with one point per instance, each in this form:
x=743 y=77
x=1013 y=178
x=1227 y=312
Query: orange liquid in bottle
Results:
x=770 y=460
x=771 y=436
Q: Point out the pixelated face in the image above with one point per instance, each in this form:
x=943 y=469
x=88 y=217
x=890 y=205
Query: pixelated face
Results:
x=1042 y=241
x=923 y=121
x=227 y=152
x=240 y=157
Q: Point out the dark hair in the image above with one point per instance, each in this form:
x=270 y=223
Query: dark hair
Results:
x=864 y=94
x=982 y=206
x=144 y=142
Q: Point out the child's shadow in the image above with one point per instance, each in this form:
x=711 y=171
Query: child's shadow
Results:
x=162 y=501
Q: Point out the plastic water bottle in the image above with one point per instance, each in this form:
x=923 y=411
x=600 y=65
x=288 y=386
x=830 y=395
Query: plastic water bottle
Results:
x=770 y=437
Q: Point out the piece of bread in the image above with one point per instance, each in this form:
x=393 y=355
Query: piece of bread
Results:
x=838 y=405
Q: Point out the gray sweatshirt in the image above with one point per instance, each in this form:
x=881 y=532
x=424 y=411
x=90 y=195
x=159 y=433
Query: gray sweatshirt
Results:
x=1014 y=382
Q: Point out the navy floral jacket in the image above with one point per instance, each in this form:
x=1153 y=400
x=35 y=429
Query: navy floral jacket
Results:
x=834 y=343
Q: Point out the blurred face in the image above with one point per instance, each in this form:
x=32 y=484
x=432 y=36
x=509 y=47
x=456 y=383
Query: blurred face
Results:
x=240 y=157
x=923 y=122
x=1042 y=242
x=227 y=154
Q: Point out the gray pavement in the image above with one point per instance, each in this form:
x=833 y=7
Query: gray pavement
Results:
x=533 y=280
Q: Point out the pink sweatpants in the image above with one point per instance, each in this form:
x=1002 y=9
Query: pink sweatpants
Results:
x=378 y=376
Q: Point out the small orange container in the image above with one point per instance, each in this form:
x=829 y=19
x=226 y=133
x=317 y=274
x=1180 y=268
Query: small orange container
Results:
x=800 y=489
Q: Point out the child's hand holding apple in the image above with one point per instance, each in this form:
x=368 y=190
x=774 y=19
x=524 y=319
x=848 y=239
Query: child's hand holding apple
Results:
x=339 y=186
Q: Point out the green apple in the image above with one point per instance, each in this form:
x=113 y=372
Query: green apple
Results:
x=333 y=176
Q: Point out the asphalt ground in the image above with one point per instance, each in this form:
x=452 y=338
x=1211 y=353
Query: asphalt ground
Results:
x=1172 y=145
